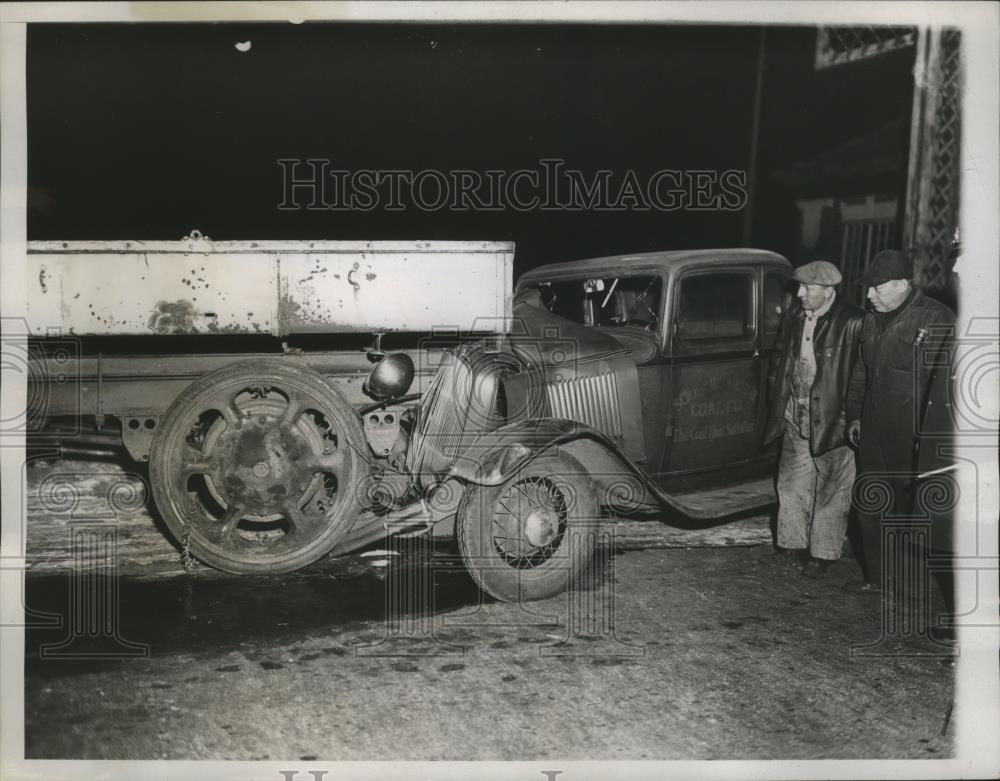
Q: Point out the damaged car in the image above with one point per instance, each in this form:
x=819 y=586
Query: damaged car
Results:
x=619 y=385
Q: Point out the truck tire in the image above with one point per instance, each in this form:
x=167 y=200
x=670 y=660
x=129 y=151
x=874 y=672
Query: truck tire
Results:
x=256 y=466
x=529 y=537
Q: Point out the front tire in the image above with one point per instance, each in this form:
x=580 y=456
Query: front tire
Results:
x=530 y=537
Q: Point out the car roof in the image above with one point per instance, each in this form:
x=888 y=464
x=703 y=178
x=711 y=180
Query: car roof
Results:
x=673 y=261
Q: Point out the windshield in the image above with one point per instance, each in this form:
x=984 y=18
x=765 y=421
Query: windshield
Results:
x=621 y=302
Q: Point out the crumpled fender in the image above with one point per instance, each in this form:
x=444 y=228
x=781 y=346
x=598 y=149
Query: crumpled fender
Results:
x=495 y=456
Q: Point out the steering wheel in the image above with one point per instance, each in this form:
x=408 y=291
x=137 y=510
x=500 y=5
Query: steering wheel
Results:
x=640 y=300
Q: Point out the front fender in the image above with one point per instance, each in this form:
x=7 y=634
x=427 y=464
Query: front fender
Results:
x=495 y=456
x=498 y=455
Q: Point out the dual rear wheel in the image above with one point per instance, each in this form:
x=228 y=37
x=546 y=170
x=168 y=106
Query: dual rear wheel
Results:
x=256 y=467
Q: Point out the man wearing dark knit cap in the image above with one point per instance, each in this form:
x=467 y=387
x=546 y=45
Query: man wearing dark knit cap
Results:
x=807 y=383
x=900 y=337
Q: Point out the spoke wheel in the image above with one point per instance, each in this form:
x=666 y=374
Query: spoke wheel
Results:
x=531 y=536
x=256 y=466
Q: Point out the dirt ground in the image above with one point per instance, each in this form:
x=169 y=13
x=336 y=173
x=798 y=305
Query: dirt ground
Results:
x=679 y=644
x=718 y=652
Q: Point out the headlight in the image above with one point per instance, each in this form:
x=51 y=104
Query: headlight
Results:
x=391 y=377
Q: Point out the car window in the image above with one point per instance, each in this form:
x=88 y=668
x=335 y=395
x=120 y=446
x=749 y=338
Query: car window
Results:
x=715 y=306
x=610 y=302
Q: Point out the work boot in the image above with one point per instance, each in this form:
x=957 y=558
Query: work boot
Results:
x=792 y=555
x=816 y=568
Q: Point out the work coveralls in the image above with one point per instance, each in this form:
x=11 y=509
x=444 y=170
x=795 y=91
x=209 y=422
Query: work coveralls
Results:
x=899 y=353
x=807 y=408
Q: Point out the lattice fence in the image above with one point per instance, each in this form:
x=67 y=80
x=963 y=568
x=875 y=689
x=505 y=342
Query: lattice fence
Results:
x=862 y=240
x=935 y=170
x=839 y=45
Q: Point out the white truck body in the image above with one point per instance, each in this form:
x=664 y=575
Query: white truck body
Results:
x=197 y=286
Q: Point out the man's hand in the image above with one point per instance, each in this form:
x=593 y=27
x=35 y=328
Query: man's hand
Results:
x=854 y=432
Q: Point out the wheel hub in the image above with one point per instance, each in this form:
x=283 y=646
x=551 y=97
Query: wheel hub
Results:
x=540 y=526
x=262 y=464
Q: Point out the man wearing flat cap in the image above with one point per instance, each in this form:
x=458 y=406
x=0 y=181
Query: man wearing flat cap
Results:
x=900 y=337
x=807 y=385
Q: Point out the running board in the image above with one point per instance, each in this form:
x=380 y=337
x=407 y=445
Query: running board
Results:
x=730 y=500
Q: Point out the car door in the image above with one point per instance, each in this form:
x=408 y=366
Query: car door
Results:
x=715 y=407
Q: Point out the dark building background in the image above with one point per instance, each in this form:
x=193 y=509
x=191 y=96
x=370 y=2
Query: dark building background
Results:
x=145 y=131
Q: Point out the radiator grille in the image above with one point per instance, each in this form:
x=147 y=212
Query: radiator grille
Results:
x=462 y=403
x=442 y=418
x=590 y=400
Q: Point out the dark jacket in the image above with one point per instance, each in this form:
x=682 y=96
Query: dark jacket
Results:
x=835 y=345
x=894 y=369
